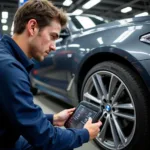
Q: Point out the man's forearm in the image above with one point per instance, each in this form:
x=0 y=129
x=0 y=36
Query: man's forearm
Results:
x=55 y=120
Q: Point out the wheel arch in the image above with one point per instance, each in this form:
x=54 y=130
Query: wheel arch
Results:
x=108 y=54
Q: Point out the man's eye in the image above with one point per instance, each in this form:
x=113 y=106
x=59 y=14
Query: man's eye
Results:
x=52 y=37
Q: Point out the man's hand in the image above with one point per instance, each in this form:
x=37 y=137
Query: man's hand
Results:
x=60 y=118
x=93 y=128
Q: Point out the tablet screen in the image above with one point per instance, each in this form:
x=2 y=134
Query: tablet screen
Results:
x=80 y=117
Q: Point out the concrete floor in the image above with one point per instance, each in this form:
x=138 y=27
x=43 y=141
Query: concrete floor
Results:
x=51 y=105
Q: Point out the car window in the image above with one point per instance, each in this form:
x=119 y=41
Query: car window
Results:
x=86 y=22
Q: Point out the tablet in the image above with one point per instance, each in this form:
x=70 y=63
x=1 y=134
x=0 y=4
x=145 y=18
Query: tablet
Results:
x=82 y=113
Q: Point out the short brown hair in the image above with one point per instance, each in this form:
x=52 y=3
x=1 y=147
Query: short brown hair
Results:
x=43 y=11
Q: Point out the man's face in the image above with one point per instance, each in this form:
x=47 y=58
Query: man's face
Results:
x=42 y=43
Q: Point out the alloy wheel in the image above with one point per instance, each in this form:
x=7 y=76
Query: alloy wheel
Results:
x=105 y=89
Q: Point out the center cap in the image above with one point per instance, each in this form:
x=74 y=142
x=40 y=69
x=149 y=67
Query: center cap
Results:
x=108 y=108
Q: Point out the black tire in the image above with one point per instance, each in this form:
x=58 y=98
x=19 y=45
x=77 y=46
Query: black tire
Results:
x=139 y=94
x=34 y=90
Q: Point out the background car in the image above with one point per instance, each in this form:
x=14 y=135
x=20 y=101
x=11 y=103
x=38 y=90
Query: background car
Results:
x=107 y=64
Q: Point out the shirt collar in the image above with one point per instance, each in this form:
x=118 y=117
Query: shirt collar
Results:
x=18 y=53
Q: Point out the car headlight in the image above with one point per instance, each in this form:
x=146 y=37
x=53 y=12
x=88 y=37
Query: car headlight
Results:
x=145 y=38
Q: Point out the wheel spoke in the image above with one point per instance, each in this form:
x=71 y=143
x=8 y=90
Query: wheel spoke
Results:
x=114 y=133
x=90 y=97
x=97 y=87
x=113 y=82
x=101 y=84
x=126 y=116
x=102 y=116
x=124 y=106
x=120 y=89
x=104 y=129
x=119 y=131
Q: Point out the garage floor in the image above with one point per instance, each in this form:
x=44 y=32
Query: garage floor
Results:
x=51 y=105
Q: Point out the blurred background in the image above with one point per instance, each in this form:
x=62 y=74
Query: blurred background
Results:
x=107 y=9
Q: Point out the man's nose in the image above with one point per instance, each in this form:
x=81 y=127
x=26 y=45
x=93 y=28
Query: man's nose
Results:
x=53 y=47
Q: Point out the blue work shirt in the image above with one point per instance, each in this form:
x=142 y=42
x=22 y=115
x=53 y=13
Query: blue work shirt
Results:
x=18 y=113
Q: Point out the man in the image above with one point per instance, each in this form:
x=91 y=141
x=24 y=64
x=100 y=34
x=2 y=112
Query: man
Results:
x=23 y=125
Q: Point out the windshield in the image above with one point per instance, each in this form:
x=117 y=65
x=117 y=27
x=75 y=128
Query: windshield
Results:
x=86 y=22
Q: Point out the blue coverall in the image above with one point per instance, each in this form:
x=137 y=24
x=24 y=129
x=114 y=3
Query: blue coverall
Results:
x=23 y=125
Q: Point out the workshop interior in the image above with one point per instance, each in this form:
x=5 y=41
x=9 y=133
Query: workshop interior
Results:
x=101 y=66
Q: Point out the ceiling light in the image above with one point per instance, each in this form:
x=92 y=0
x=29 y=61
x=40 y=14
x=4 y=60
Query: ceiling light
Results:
x=4 y=14
x=4 y=27
x=142 y=14
x=67 y=2
x=3 y=20
x=78 y=12
x=21 y=2
x=90 y=4
x=126 y=9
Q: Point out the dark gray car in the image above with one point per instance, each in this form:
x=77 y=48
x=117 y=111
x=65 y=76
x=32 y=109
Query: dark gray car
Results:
x=107 y=64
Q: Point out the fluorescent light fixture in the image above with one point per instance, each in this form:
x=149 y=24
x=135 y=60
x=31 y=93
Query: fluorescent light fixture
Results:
x=142 y=14
x=4 y=14
x=78 y=12
x=126 y=9
x=21 y=1
x=4 y=27
x=67 y=2
x=90 y=4
x=3 y=20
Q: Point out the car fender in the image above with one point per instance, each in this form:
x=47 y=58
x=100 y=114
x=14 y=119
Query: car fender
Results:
x=114 y=54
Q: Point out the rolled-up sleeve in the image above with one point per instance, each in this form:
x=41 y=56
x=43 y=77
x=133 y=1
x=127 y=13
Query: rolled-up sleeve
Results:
x=31 y=122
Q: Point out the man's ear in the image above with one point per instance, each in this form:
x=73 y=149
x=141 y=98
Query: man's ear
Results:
x=32 y=27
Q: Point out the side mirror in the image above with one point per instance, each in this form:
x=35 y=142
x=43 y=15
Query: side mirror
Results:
x=64 y=33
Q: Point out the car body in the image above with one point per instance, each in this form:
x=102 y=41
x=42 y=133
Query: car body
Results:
x=0 y=30
x=107 y=64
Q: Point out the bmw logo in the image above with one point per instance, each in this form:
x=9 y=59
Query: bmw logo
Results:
x=108 y=108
